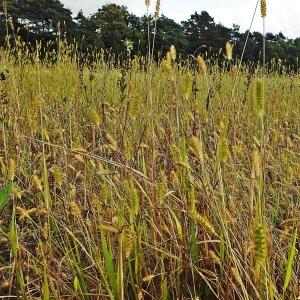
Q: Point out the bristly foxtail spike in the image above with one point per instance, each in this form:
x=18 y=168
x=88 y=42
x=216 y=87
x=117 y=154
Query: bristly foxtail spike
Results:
x=157 y=10
x=229 y=50
x=263 y=8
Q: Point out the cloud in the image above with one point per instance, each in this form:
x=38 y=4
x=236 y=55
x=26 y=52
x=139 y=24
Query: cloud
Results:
x=281 y=17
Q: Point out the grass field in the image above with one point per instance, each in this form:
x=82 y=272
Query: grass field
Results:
x=134 y=182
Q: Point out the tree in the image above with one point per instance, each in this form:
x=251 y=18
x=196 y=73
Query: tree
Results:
x=86 y=35
x=39 y=19
x=200 y=30
x=114 y=24
x=170 y=33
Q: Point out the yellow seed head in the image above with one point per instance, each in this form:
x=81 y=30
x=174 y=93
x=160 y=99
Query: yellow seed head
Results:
x=175 y=179
x=5 y=285
x=260 y=246
x=11 y=170
x=147 y=2
x=201 y=65
x=258 y=98
x=196 y=146
x=263 y=8
x=36 y=183
x=157 y=10
x=188 y=86
x=214 y=257
x=57 y=174
x=75 y=210
x=95 y=117
x=256 y=164
x=11 y=24
x=229 y=50
x=45 y=231
x=236 y=275
x=234 y=72
x=173 y=52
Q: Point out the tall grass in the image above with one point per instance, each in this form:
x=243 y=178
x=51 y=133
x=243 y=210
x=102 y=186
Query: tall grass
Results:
x=117 y=186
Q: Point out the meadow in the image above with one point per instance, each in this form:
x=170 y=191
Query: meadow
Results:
x=126 y=178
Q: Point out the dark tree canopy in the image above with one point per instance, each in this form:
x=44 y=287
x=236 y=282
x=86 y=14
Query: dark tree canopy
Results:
x=113 y=25
x=39 y=19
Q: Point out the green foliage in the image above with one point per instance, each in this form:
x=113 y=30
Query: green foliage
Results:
x=5 y=194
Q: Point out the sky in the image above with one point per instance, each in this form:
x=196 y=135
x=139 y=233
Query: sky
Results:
x=283 y=15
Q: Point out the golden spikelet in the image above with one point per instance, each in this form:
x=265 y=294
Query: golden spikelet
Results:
x=203 y=221
x=222 y=150
x=188 y=86
x=258 y=97
x=214 y=257
x=263 y=8
x=75 y=209
x=11 y=172
x=173 y=53
x=57 y=174
x=148 y=278
x=111 y=142
x=234 y=72
x=11 y=24
x=129 y=244
x=236 y=275
x=147 y=3
x=45 y=231
x=109 y=229
x=140 y=295
x=197 y=148
x=95 y=117
x=36 y=182
x=175 y=179
x=201 y=65
x=260 y=246
x=256 y=164
x=229 y=50
x=157 y=10
x=6 y=284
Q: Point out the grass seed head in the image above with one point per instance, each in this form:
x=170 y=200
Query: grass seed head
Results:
x=229 y=50
x=36 y=182
x=157 y=10
x=263 y=8
x=11 y=170
x=201 y=64
x=173 y=53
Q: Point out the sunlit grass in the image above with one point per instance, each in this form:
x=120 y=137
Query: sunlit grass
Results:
x=130 y=188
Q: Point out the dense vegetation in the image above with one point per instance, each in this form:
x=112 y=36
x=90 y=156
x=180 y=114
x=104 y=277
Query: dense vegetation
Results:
x=126 y=177
x=112 y=25
x=125 y=183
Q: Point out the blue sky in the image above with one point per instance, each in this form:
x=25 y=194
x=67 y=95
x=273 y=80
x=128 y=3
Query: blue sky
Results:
x=283 y=15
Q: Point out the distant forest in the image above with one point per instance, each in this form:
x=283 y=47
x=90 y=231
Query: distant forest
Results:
x=113 y=27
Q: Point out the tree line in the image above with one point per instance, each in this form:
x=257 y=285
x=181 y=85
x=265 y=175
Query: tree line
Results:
x=113 y=27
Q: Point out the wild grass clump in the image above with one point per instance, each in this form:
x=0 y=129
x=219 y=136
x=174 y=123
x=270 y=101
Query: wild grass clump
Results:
x=117 y=186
